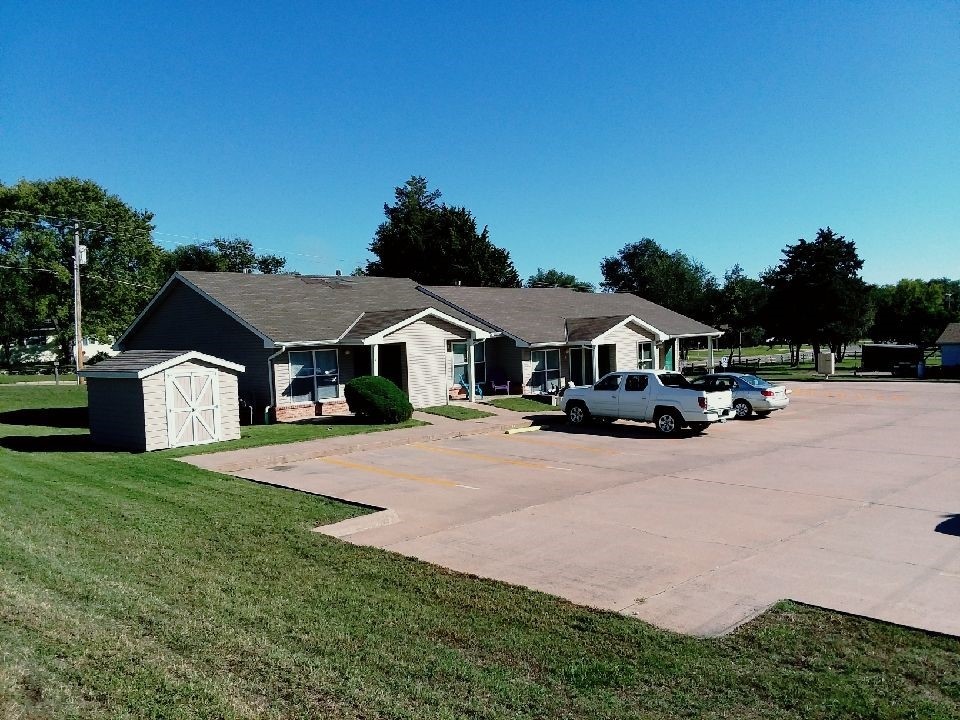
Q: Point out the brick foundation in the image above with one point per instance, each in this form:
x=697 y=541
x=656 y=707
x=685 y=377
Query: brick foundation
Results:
x=305 y=411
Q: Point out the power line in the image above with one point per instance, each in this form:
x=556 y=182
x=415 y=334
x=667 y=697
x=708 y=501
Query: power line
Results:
x=183 y=239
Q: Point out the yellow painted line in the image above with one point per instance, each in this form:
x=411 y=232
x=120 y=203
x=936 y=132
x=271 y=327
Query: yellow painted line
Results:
x=392 y=473
x=481 y=456
x=564 y=445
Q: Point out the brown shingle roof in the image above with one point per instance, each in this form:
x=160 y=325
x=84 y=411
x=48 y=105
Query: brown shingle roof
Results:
x=290 y=308
x=370 y=323
x=586 y=329
x=950 y=335
x=539 y=315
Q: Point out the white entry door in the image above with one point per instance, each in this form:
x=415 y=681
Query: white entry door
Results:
x=193 y=407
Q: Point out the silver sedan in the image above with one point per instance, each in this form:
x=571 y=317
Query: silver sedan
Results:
x=750 y=393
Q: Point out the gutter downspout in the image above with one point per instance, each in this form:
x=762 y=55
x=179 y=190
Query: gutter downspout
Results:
x=273 y=388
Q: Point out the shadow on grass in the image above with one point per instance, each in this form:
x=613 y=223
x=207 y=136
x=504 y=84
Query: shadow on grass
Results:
x=50 y=443
x=68 y=417
x=950 y=526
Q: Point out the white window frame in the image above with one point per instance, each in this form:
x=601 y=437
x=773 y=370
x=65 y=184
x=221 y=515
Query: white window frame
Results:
x=645 y=362
x=479 y=366
x=314 y=394
x=544 y=386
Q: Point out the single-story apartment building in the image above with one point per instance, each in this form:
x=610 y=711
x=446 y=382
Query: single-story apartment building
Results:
x=301 y=338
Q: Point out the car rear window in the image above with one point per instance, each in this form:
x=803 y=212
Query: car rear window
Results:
x=674 y=380
x=755 y=381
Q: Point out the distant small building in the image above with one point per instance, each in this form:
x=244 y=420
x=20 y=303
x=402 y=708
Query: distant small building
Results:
x=156 y=399
x=884 y=357
x=949 y=342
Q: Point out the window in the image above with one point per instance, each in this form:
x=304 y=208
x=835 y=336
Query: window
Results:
x=546 y=370
x=314 y=375
x=636 y=383
x=645 y=355
x=674 y=380
x=459 y=373
x=610 y=382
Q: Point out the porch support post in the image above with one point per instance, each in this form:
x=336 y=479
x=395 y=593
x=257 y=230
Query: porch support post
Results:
x=656 y=354
x=710 y=364
x=677 y=365
x=471 y=373
x=374 y=359
x=594 y=350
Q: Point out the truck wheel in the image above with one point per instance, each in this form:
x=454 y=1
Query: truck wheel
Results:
x=668 y=423
x=741 y=408
x=699 y=427
x=578 y=414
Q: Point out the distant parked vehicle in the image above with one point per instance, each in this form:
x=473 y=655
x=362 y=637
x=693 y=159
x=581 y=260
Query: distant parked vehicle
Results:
x=751 y=394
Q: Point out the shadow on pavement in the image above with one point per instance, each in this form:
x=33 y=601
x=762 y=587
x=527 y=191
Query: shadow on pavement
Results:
x=950 y=526
x=622 y=429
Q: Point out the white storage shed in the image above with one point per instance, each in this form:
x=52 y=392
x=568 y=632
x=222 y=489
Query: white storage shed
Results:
x=156 y=399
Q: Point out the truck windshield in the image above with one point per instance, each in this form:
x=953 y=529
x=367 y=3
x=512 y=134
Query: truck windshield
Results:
x=674 y=380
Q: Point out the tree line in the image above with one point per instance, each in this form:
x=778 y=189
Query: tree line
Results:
x=814 y=295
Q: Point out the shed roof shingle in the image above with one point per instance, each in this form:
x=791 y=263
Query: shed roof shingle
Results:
x=950 y=334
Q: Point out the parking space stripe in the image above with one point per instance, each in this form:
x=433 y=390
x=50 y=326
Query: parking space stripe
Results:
x=564 y=445
x=392 y=473
x=481 y=456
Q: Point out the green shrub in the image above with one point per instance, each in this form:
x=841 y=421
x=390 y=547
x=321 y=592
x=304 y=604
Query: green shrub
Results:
x=377 y=399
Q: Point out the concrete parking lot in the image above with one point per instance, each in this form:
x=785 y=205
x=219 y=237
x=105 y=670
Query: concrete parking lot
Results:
x=849 y=499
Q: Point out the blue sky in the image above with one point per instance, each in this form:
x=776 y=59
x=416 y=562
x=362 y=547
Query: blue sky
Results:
x=725 y=130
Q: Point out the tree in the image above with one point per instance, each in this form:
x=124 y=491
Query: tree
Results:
x=673 y=280
x=435 y=244
x=913 y=311
x=740 y=308
x=817 y=295
x=37 y=239
x=556 y=278
x=223 y=255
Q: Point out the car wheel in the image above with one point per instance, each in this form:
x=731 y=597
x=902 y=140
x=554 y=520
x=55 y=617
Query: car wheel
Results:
x=578 y=414
x=699 y=427
x=741 y=408
x=668 y=423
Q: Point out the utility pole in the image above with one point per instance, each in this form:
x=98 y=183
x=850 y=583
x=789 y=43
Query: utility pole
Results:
x=79 y=258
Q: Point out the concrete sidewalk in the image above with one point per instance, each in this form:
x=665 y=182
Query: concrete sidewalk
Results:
x=440 y=428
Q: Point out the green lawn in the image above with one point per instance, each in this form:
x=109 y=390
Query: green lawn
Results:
x=10 y=379
x=135 y=586
x=522 y=405
x=457 y=412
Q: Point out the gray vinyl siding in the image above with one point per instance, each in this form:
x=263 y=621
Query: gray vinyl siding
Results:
x=155 y=410
x=425 y=359
x=626 y=340
x=116 y=412
x=184 y=320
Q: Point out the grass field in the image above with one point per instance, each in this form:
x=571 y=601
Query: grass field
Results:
x=10 y=379
x=135 y=586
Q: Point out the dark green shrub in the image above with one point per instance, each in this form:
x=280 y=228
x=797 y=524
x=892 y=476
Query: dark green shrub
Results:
x=377 y=399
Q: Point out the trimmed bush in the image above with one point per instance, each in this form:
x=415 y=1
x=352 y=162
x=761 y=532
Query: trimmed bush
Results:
x=377 y=399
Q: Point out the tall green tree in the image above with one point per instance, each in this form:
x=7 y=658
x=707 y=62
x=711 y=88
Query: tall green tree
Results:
x=673 y=280
x=223 y=255
x=436 y=244
x=914 y=311
x=817 y=295
x=124 y=268
x=558 y=278
x=740 y=306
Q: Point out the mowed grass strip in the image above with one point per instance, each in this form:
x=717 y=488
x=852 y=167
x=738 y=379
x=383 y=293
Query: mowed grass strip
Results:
x=457 y=412
x=137 y=586
x=522 y=405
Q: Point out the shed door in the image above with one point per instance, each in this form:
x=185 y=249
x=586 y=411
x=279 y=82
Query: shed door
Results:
x=193 y=407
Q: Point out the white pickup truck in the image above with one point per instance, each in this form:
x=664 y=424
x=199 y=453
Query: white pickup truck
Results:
x=659 y=396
